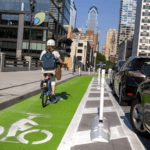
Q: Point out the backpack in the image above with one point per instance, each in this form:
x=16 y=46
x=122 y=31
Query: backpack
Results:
x=48 y=61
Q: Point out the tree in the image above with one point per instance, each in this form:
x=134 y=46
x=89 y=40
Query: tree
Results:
x=100 y=58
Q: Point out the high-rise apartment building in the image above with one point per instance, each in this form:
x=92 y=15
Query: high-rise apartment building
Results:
x=111 y=43
x=103 y=49
x=141 y=40
x=127 y=20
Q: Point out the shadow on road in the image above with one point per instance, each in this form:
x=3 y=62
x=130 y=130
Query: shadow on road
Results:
x=64 y=95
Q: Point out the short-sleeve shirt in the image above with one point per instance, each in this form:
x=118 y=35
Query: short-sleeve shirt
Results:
x=56 y=54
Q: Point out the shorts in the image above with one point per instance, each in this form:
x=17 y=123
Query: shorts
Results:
x=52 y=76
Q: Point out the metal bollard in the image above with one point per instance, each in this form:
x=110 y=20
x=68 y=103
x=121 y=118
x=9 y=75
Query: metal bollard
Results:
x=102 y=96
x=100 y=129
x=98 y=87
x=89 y=71
x=79 y=71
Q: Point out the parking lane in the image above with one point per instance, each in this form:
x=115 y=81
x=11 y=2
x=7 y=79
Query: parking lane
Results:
x=126 y=110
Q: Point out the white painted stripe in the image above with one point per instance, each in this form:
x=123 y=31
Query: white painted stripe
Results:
x=95 y=110
x=97 y=92
x=97 y=98
x=68 y=138
x=132 y=137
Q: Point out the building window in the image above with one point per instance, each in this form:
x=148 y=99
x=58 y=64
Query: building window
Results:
x=146 y=14
x=8 y=33
x=145 y=27
x=144 y=41
x=142 y=54
x=33 y=46
x=146 y=7
x=79 y=50
x=146 y=0
x=144 y=34
x=9 y=19
x=79 y=58
x=143 y=47
x=41 y=6
x=145 y=20
x=38 y=35
x=9 y=45
x=80 y=44
x=68 y=50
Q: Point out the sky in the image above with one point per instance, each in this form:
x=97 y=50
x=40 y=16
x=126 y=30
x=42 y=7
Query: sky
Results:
x=108 y=15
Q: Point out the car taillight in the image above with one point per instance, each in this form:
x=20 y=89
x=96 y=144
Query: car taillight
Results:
x=131 y=73
x=130 y=94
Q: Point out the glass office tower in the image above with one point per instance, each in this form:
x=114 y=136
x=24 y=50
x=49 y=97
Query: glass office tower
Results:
x=92 y=22
x=127 y=20
x=15 y=26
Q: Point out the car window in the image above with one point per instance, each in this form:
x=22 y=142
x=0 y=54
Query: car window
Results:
x=125 y=64
x=121 y=63
x=138 y=63
x=146 y=69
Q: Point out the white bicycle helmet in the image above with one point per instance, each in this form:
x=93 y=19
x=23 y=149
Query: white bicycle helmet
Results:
x=51 y=42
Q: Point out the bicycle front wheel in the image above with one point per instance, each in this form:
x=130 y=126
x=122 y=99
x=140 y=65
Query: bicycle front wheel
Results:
x=44 y=100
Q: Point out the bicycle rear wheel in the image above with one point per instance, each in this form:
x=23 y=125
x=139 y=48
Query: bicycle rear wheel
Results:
x=44 y=98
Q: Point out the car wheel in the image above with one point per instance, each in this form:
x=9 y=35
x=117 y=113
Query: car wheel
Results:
x=137 y=120
x=121 y=102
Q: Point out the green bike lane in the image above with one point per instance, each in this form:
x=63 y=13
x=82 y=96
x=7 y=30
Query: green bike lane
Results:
x=27 y=125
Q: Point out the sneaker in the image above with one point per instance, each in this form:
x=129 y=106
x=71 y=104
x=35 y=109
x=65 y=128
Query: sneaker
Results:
x=54 y=99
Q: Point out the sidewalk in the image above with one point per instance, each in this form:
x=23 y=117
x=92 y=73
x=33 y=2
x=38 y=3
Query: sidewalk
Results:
x=77 y=136
x=18 y=86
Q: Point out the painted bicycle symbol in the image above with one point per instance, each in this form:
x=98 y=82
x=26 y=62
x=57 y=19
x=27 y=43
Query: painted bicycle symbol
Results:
x=21 y=126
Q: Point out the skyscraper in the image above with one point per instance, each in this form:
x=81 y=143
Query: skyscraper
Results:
x=73 y=13
x=141 y=40
x=92 y=22
x=127 y=20
x=111 y=43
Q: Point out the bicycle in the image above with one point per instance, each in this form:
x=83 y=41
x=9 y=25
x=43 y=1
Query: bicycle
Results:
x=46 y=92
x=47 y=88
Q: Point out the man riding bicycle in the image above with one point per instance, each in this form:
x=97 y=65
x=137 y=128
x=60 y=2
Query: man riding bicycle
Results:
x=51 y=72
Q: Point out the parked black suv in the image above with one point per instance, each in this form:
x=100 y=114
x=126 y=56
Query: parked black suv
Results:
x=115 y=69
x=140 y=109
x=128 y=78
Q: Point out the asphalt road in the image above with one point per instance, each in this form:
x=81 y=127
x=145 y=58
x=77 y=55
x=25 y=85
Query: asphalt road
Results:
x=126 y=109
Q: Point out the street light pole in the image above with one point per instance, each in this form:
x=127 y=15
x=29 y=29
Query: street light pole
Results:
x=30 y=34
x=59 y=5
x=57 y=29
x=32 y=7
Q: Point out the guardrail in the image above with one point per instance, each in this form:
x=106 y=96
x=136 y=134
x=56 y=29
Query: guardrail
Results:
x=15 y=63
x=36 y=63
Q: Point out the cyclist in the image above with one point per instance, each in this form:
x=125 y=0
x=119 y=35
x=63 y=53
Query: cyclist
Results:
x=50 y=48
